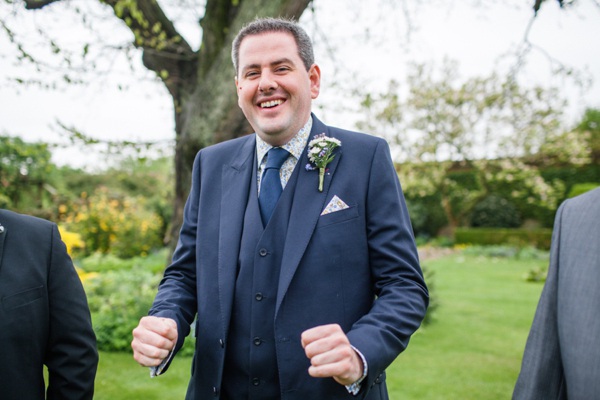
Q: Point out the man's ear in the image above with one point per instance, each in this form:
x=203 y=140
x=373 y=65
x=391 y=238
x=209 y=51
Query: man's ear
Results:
x=236 y=83
x=314 y=75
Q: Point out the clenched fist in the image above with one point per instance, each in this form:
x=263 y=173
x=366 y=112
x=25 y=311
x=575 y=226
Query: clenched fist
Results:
x=330 y=354
x=153 y=340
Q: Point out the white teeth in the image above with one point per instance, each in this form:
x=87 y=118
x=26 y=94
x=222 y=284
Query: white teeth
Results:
x=272 y=103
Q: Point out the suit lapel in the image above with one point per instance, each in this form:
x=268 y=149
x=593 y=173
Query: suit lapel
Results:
x=235 y=184
x=307 y=206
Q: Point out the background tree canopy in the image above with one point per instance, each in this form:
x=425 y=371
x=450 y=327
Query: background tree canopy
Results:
x=198 y=81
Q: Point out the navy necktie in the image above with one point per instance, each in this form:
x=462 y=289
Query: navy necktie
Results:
x=270 y=184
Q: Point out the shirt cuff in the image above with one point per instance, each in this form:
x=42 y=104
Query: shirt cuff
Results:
x=354 y=388
x=158 y=370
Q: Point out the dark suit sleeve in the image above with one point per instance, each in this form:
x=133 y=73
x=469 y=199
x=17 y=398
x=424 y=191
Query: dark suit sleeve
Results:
x=71 y=355
x=176 y=297
x=402 y=296
x=541 y=375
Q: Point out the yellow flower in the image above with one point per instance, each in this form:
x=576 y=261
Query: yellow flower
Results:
x=62 y=208
x=71 y=239
x=84 y=276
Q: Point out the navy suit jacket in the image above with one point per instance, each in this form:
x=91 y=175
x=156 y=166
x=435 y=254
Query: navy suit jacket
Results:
x=357 y=267
x=44 y=315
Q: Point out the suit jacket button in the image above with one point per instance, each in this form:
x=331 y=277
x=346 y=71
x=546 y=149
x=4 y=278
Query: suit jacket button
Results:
x=257 y=341
x=215 y=391
x=256 y=381
x=222 y=343
x=262 y=252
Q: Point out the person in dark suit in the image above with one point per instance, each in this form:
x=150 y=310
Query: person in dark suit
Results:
x=562 y=354
x=44 y=315
x=305 y=281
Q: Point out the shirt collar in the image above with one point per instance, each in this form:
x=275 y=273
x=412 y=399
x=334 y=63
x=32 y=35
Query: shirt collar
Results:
x=295 y=146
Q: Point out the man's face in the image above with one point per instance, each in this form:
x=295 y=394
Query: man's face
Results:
x=273 y=86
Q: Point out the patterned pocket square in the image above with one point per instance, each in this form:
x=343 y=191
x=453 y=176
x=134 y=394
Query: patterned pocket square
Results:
x=336 y=204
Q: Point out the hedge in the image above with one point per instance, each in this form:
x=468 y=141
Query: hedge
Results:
x=540 y=238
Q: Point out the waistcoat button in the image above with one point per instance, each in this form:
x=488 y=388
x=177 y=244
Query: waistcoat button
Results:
x=257 y=341
x=256 y=381
x=258 y=296
x=262 y=252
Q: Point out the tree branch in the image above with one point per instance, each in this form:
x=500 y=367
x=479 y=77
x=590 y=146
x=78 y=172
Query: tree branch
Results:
x=37 y=4
x=165 y=50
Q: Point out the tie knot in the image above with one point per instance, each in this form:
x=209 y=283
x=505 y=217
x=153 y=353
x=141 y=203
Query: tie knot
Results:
x=275 y=157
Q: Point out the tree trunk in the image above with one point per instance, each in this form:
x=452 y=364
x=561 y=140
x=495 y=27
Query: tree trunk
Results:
x=210 y=113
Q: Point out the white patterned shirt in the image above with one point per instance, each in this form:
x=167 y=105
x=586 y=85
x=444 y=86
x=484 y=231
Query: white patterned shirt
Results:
x=295 y=147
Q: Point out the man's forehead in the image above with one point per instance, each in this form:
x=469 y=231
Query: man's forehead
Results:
x=261 y=43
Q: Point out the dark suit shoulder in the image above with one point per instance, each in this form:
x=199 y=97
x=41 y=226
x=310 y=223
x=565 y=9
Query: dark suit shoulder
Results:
x=228 y=147
x=24 y=223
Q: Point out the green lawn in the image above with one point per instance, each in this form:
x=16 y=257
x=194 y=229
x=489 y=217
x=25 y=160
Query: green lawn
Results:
x=472 y=350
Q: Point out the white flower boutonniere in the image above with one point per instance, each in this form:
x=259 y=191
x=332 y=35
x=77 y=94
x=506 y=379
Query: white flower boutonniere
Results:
x=320 y=153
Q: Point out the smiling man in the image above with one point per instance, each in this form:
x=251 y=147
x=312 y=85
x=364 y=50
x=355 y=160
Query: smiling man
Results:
x=296 y=253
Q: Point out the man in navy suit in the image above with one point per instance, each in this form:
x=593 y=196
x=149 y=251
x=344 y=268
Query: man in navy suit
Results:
x=301 y=291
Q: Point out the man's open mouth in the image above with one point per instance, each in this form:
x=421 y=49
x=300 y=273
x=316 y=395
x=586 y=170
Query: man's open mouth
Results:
x=269 y=104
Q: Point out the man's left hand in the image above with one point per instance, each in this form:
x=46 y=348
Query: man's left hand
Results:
x=330 y=354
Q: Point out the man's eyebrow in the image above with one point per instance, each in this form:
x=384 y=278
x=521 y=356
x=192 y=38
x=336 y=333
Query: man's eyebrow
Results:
x=282 y=61
x=273 y=64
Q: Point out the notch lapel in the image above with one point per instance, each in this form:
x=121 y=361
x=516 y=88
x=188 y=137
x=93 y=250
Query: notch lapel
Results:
x=235 y=185
x=306 y=209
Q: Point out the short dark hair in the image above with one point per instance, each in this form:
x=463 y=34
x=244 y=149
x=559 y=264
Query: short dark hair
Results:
x=266 y=25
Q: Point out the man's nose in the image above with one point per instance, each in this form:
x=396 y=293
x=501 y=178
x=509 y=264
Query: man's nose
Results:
x=267 y=82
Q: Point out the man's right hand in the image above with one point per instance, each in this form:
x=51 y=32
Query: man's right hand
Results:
x=153 y=340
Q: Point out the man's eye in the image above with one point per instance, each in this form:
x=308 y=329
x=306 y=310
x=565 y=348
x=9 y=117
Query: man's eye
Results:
x=282 y=69
x=251 y=74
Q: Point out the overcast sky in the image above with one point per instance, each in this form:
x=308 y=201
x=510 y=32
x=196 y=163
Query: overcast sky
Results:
x=476 y=37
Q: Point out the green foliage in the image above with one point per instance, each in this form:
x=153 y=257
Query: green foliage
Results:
x=99 y=262
x=537 y=274
x=429 y=276
x=506 y=251
x=540 y=238
x=495 y=212
x=117 y=300
x=581 y=188
x=591 y=123
x=27 y=176
x=116 y=223
x=119 y=293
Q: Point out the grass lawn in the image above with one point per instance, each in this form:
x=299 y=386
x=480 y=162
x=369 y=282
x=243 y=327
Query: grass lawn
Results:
x=472 y=350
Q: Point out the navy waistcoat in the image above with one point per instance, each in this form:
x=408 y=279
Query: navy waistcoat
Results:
x=250 y=359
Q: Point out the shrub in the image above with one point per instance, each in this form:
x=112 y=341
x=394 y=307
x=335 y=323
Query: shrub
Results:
x=155 y=262
x=433 y=298
x=506 y=251
x=118 y=298
x=581 y=188
x=540 y=238
x=536 y=274
x=495 y=212
x=116 y=223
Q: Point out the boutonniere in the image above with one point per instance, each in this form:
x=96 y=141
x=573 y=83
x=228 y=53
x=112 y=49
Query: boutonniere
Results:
x=320 y=153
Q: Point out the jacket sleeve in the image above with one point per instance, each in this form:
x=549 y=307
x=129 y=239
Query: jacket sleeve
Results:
x=71 y=355
x=402 y=297
x=541 y=375
x=176 y=297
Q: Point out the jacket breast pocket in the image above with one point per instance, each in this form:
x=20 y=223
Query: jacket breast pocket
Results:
x=338 y=216
x=22 y=298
